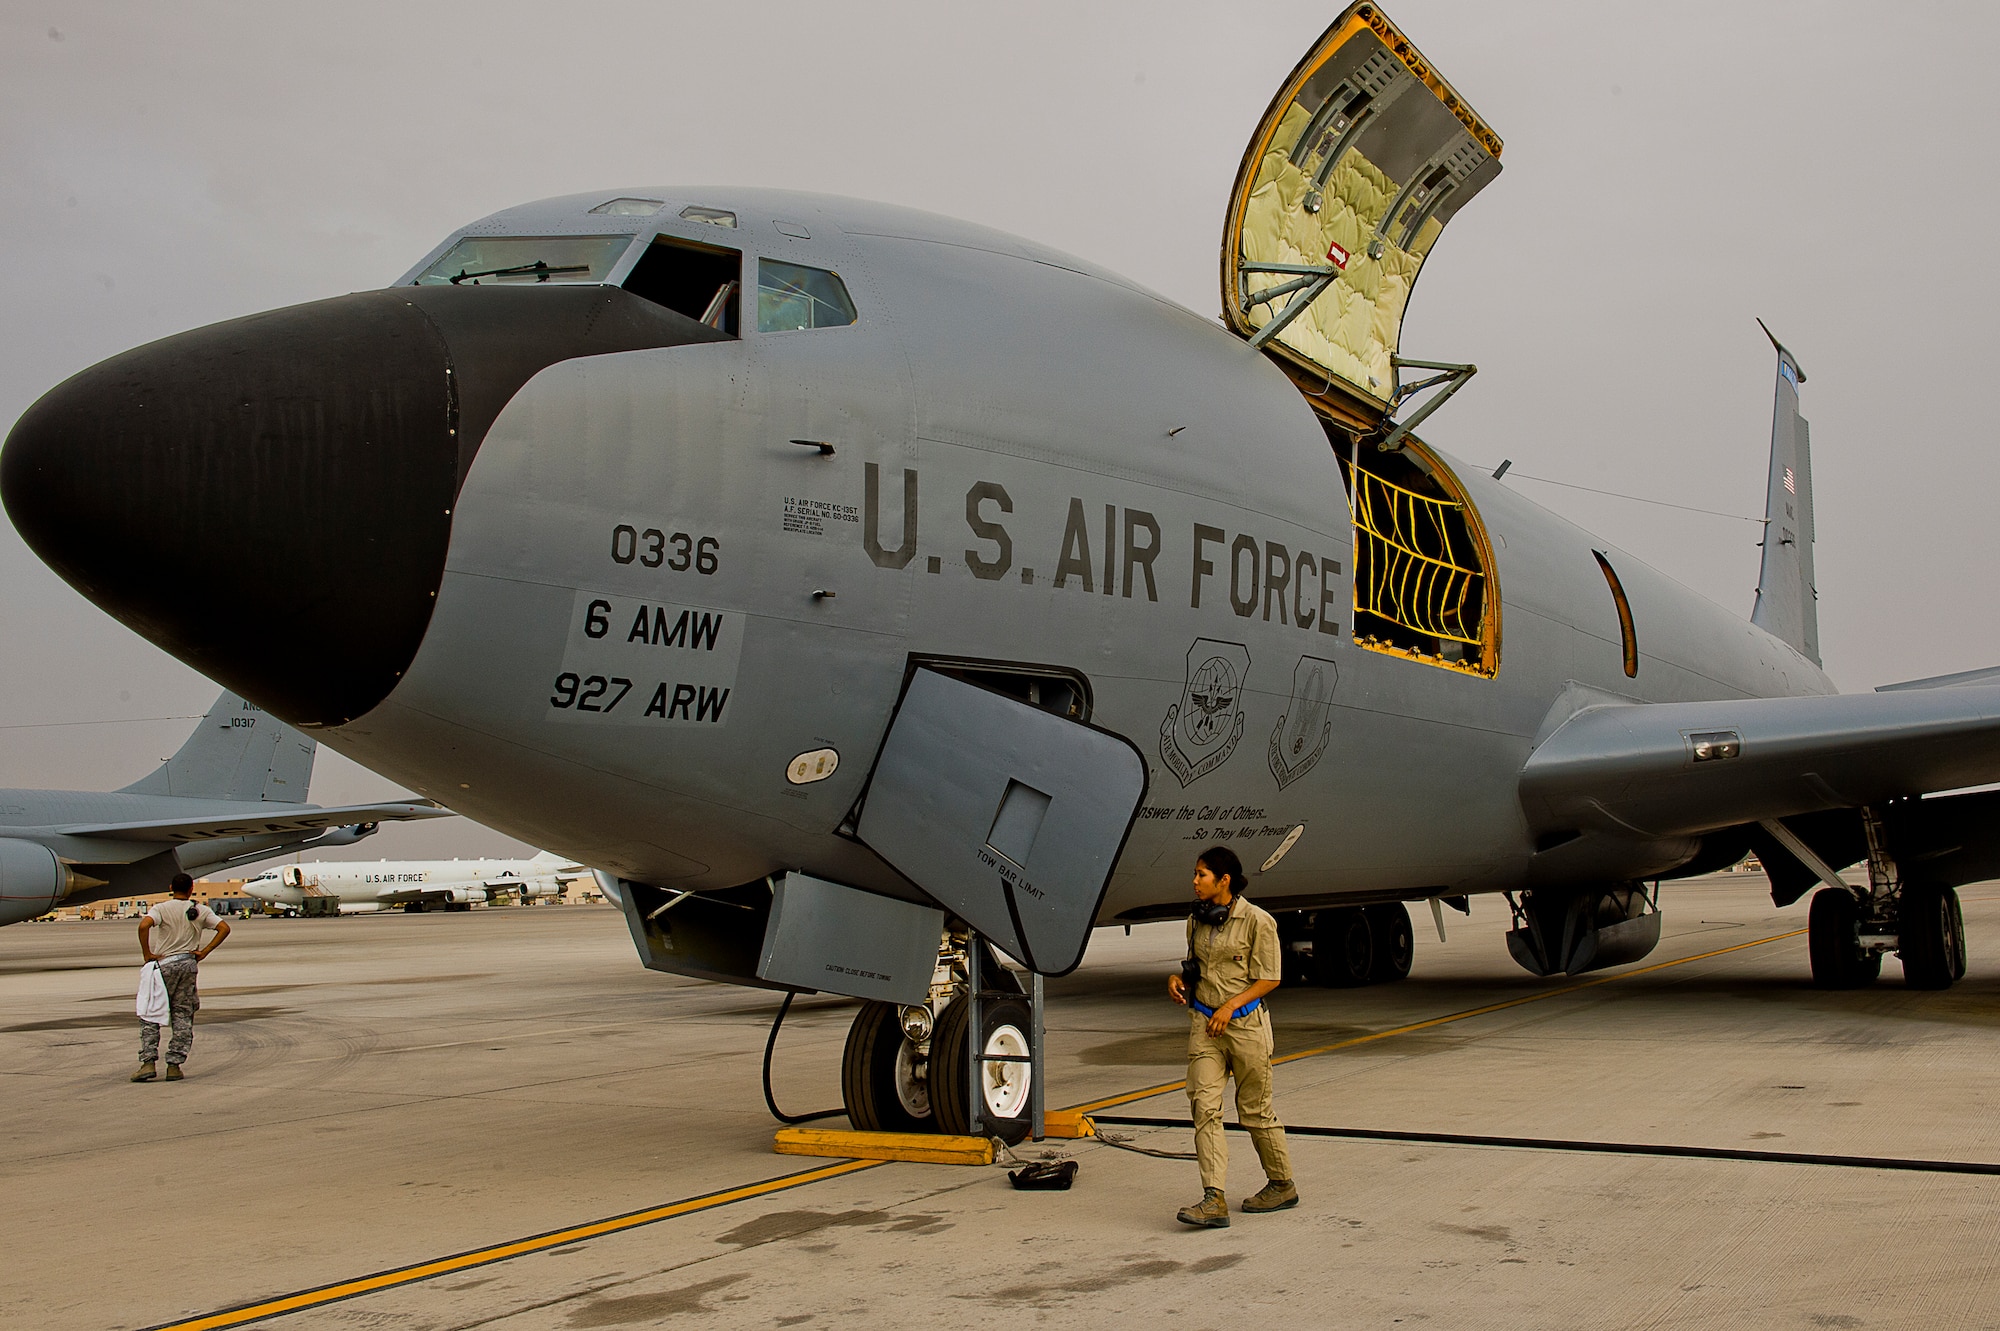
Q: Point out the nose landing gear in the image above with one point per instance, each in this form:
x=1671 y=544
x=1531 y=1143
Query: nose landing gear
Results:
x=908 y=1069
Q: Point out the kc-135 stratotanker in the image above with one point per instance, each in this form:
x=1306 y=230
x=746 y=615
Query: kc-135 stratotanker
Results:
x=855 y=588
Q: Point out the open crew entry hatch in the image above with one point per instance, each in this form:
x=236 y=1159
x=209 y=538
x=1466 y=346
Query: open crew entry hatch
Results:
x=1008 y=815
x=1362 y=158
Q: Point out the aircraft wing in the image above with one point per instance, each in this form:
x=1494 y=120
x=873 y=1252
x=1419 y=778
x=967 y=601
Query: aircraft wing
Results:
x=265 y=820
x=1675 y=769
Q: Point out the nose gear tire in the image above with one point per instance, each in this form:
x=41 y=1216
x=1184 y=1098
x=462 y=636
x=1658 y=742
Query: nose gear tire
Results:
x=874 y=1070
x=1005 y=1113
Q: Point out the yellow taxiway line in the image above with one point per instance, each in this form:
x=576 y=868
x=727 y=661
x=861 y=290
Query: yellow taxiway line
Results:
x=405 y=1275
x=500 y=1252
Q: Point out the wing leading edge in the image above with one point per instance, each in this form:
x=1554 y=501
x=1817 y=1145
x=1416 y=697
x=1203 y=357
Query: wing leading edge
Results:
x=258 y=820
x=1681 y=769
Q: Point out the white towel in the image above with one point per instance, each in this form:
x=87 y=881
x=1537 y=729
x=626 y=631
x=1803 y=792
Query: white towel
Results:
x=153 y=1004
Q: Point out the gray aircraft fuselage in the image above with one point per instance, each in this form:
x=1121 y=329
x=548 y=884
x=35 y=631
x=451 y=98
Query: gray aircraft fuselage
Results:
x=1033 y=460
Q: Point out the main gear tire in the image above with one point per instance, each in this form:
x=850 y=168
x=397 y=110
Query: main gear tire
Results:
x=1834 y=942
x=883 y=1080
x=1958 y=934
x=1004 y=1086
x=1343 y=948
x=1395 y=942
x=1932 y=943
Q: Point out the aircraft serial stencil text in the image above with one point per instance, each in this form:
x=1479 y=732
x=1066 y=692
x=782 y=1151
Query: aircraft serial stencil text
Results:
x=639 y=662
x=1109 y=550
x=812 y=517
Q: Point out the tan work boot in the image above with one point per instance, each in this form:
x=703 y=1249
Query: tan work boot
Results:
x=174 y=1074
x=146 y=1072
x=1278 y=1195
x=1211 y=1212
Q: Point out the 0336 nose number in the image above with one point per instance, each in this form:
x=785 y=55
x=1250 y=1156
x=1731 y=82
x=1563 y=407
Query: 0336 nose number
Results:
x=649 y=547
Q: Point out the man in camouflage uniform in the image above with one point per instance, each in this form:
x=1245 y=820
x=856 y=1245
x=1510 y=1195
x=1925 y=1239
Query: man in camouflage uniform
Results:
x=170 y=933
x=1229 y=1032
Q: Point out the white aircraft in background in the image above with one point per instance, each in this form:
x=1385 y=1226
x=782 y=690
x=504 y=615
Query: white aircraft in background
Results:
x=415 y=885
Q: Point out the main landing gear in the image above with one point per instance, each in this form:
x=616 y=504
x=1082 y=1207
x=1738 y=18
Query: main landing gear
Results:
x=1344 y=947
x=908 y=1069
x=1850 y=928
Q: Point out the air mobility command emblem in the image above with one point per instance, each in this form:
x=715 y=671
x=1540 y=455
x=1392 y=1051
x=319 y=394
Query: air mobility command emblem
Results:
x=1303 y=731
x=1201 y=730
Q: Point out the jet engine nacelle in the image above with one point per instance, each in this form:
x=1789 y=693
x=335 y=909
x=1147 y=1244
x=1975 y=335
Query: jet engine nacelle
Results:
x=32 y=881
x=463 y=895
x=1567 y=931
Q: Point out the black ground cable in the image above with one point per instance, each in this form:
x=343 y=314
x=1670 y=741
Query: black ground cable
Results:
x=1125 y=1144
x=1603 y=1148
x=770 y=1101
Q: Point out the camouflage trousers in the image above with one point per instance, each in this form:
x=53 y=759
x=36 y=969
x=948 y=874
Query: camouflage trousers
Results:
x=1243 y=1051
x=182 y=1003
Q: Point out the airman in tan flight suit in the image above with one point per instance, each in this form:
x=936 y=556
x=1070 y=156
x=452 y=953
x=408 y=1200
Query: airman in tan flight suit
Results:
x=1229 y=1032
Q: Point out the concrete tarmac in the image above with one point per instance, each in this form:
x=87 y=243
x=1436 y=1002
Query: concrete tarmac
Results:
x=368 y=1093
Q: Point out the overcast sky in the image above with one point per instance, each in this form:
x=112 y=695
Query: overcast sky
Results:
x=1671 y=172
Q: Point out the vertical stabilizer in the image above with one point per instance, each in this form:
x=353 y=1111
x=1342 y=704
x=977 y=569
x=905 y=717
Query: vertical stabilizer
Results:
x=1787 y=602
x=238 y=752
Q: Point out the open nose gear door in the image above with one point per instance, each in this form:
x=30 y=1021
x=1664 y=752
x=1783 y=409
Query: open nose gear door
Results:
x=1363 y=156
x=1009 y=816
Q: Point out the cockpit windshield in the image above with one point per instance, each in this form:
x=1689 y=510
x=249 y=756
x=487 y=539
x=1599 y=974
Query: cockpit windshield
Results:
x=519 y=260
x=791 y=296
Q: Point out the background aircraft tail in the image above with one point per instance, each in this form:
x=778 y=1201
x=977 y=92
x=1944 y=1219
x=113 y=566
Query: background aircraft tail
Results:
x=238 y=752
x=1787 y=602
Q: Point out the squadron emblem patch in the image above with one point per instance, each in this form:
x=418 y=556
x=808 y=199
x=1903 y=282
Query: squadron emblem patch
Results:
x=1200 y=731
x=1303 y=731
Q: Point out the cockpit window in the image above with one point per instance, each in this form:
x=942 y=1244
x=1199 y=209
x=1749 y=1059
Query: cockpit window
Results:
x=630 y=207
x=791 y=296
x=699 y=281
x=525 y=260
x=694 y=212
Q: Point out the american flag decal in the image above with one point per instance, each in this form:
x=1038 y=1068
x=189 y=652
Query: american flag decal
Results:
x=1791 y=483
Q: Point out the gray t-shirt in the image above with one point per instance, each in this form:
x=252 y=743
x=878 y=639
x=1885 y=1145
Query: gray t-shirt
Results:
x=173 y=931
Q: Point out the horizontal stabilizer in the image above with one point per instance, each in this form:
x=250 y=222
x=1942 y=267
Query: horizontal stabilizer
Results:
x=1963 y=679
x=253 y=820
x=1676 y=769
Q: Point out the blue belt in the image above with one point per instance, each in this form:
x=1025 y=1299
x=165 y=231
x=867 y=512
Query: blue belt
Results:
x=1208 y=1011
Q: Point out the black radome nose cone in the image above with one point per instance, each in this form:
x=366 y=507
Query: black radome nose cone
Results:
x=269 y=499
x=266 y=498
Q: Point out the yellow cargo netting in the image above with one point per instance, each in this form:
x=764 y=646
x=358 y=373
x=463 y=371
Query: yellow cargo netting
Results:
x=1410 y=569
